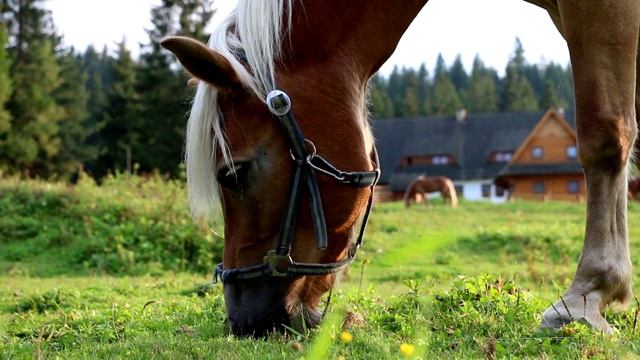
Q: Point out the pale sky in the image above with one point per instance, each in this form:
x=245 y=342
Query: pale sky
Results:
x=466 y=27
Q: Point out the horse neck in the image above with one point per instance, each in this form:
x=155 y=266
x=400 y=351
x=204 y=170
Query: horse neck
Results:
x=363 y=33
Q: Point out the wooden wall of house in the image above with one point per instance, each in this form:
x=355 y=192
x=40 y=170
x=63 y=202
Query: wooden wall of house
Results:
x=383 y=194
x=556 y=187
x=554 y=139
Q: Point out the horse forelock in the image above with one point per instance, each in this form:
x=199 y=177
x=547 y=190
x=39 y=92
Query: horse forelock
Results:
x=253 y=28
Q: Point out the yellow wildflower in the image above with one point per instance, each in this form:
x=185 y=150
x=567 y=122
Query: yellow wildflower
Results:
x=346 y=337
x=407 y=349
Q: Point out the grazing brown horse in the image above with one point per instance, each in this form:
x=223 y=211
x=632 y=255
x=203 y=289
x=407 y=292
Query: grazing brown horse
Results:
x=634 y=188
x=422 y=186
x=278 y=139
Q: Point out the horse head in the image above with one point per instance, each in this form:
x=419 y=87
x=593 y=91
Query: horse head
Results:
x=290 y=164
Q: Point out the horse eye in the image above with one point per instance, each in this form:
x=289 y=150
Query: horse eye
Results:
x=231 y=177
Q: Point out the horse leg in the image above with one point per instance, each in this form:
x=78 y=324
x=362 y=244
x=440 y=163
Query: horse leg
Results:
x=425 y=198
x=602 y=37
x=409 y=196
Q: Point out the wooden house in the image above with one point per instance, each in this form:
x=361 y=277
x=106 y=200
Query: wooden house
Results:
x=494 y=157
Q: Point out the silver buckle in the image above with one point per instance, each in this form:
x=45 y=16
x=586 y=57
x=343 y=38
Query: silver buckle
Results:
x=274 y=259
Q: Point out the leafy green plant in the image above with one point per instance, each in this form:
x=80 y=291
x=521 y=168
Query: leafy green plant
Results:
x=127 y=225
x=50 y=300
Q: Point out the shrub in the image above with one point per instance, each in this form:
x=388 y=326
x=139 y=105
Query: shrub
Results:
x=127 y=225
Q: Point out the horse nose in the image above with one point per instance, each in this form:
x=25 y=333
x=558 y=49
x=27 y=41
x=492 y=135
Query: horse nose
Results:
x=256 y=327
x=256 y=308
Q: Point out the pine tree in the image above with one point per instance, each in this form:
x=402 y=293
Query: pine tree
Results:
x=195 y=16
x=518 y=94
x=5 y=87
x=445 y=99
x=562 y=80
x=163 y=87
x=518 y=60
x=26 y=21
x=423 y=88
x=35 y=115
x=395 y=90
x=441 y=66
x=535 y=78
x=99 y=74
x=122 y=123
x=379 y=102
x=481 y=95
x=410 y=106
x=458 y=74
x=549 y=98
x=76 y=126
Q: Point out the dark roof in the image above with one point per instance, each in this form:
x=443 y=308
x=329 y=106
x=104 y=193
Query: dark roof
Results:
x=470 y=141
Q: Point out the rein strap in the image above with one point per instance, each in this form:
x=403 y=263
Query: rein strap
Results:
x=280 y=106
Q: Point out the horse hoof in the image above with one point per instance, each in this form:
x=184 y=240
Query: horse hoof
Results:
x=553 y=323
x=554 y=320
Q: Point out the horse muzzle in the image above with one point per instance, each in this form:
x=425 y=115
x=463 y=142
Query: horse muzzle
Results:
x=257 y=307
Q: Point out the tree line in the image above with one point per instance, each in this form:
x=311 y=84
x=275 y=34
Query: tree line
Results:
x=408 y=92
x=63 y=110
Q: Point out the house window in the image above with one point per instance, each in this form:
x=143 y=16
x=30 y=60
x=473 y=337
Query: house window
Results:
x=572 y=152
x=538 y=187
x=459 y=190
x=499 y=191
x=409 y=160
x=440 y=160
x=573 y=186
x=486 y=190
x=536 y=152
x=503 y=156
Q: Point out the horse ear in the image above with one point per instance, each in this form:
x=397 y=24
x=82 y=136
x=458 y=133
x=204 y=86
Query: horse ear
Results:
x=193 y=82
x=202 y=62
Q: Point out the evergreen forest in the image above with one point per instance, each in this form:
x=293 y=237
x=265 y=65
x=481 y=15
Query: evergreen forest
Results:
x=65 y=110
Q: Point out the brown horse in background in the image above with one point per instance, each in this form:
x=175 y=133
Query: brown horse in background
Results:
x=423 y=185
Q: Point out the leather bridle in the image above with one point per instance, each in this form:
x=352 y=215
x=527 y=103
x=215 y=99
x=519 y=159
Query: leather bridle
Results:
x=278 y=262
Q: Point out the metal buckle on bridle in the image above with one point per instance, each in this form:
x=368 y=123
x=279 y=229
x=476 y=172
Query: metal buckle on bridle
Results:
x=278 y=102
x=274 y=260
x=310 y=156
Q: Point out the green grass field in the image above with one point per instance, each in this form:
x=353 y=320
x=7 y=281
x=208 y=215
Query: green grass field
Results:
x=121 y=272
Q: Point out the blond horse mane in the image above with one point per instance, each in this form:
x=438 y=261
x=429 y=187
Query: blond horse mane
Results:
x=255 y=27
